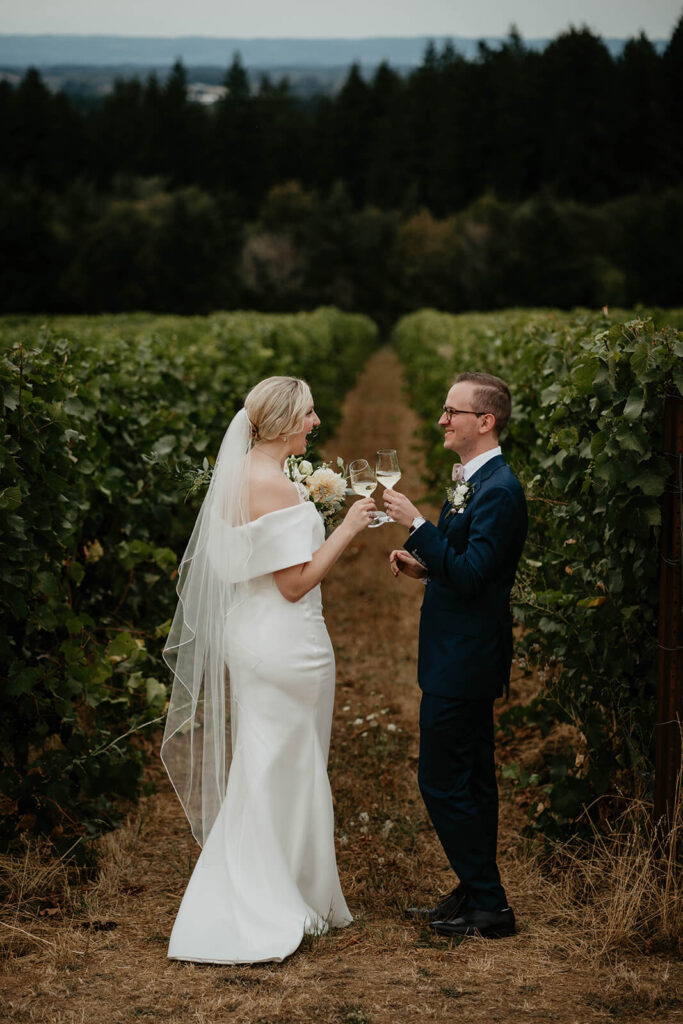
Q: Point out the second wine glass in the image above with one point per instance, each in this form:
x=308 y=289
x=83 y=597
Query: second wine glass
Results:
x=388 y=471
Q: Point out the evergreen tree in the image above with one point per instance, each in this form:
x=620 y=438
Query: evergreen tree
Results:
x=234 y=138
x=153 y=129
x=576 y=103
x=348 y=137
x=388 y=181
x=513 y=152
x=284 y=135
x=673 y=90
x=33 y=144
x=177 y=150
x=119 y=134
x=423 y=114
x=181 y=138
x=639 y=117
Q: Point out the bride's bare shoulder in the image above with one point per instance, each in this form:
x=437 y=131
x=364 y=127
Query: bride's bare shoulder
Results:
x=269 y=492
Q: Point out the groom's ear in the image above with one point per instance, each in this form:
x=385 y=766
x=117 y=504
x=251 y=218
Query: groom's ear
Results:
x=487 y=423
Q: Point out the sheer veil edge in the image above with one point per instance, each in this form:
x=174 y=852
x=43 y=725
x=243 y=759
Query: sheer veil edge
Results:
x=197 y=745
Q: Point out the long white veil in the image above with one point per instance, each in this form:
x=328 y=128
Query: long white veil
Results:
x=197 y=744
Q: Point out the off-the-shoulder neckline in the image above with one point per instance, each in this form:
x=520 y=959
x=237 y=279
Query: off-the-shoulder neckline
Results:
x=277 y=511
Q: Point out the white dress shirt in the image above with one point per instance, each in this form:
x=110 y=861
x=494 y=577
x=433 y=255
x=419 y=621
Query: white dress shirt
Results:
x=471 y=467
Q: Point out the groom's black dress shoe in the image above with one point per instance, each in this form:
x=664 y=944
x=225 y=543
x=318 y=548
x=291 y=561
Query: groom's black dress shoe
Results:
x=450 y=907
x=490 y=924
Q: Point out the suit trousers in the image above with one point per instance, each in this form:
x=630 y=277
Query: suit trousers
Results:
x=457 y=780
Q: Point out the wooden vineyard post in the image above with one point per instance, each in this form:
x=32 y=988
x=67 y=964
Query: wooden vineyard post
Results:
x=670 y=660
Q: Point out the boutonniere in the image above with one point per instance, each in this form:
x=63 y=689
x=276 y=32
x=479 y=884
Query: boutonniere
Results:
x=458 y=496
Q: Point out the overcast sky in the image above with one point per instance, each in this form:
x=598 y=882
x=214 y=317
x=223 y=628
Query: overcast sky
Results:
x=345 y=18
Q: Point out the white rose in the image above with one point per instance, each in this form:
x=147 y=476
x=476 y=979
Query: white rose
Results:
x=305 y=468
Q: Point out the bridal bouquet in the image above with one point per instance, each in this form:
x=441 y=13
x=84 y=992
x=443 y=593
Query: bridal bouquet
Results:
x=320 y=484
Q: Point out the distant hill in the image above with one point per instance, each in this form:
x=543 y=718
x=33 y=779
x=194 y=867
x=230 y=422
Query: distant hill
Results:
x=44 y=51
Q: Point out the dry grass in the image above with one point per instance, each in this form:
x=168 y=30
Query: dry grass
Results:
x=628 y=895
x=598 y=924
x=628 y=993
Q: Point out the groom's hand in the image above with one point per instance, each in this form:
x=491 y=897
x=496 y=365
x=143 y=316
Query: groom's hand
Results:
x=400 y=508
x=402 y=561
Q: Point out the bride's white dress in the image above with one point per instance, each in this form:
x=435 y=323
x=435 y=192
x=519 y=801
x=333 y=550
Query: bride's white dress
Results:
x=267 y=873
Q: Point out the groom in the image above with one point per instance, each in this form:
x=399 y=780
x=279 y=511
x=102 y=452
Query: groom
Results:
x=468 y=563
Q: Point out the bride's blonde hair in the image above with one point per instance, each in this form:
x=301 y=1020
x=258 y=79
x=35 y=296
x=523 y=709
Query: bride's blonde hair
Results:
x=276 y=407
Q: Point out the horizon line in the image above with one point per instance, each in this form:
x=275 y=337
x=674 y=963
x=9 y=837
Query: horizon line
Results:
x=313 y=39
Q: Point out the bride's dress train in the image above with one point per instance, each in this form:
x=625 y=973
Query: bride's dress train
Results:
x=267 y=873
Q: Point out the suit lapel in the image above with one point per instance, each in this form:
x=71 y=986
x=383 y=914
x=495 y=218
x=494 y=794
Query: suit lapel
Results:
x=486 y=471
x=475 y=482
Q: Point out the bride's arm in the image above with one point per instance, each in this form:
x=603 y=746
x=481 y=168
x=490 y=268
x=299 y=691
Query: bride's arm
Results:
x=297 y=580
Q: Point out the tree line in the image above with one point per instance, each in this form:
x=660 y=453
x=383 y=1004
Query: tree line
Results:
x=571 y=118
x=571 y=156
x=143 y=247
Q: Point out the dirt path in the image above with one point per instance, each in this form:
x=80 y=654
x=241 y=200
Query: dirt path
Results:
x=101 y=955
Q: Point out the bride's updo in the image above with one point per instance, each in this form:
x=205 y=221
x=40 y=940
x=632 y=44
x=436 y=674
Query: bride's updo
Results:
x=276 y=407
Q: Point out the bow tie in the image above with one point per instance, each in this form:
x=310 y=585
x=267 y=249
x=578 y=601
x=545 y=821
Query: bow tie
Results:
x=458 y=472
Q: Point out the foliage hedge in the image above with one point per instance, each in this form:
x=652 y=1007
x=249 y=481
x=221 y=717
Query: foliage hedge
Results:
x=586 y=439
x=101 y=419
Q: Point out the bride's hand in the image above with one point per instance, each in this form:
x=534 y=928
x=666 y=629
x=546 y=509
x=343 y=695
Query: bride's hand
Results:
x=360 y=515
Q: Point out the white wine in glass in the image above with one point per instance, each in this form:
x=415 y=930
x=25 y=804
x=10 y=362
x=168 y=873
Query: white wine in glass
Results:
x=387 y=470
x=363 y=482
x=388 y=479
x=364 y=487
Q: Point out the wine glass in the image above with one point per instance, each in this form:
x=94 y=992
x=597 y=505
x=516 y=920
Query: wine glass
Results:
x=363 y=482
x=388 y=471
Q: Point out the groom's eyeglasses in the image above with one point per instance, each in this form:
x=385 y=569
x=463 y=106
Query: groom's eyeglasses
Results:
x=447 y=411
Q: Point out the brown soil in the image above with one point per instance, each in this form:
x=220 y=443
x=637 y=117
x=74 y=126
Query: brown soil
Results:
x=97 y=952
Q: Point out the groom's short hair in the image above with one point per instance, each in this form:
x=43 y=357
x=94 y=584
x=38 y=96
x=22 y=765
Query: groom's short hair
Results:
x=491 y=394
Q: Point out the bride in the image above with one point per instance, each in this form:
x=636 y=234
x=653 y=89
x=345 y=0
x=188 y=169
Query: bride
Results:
x=249 y=608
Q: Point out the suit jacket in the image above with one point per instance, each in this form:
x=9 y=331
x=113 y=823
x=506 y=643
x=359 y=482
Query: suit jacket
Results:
x=465 y=625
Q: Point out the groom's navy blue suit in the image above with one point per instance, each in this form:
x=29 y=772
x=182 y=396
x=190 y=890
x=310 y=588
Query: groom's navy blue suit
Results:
x=465 y=652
